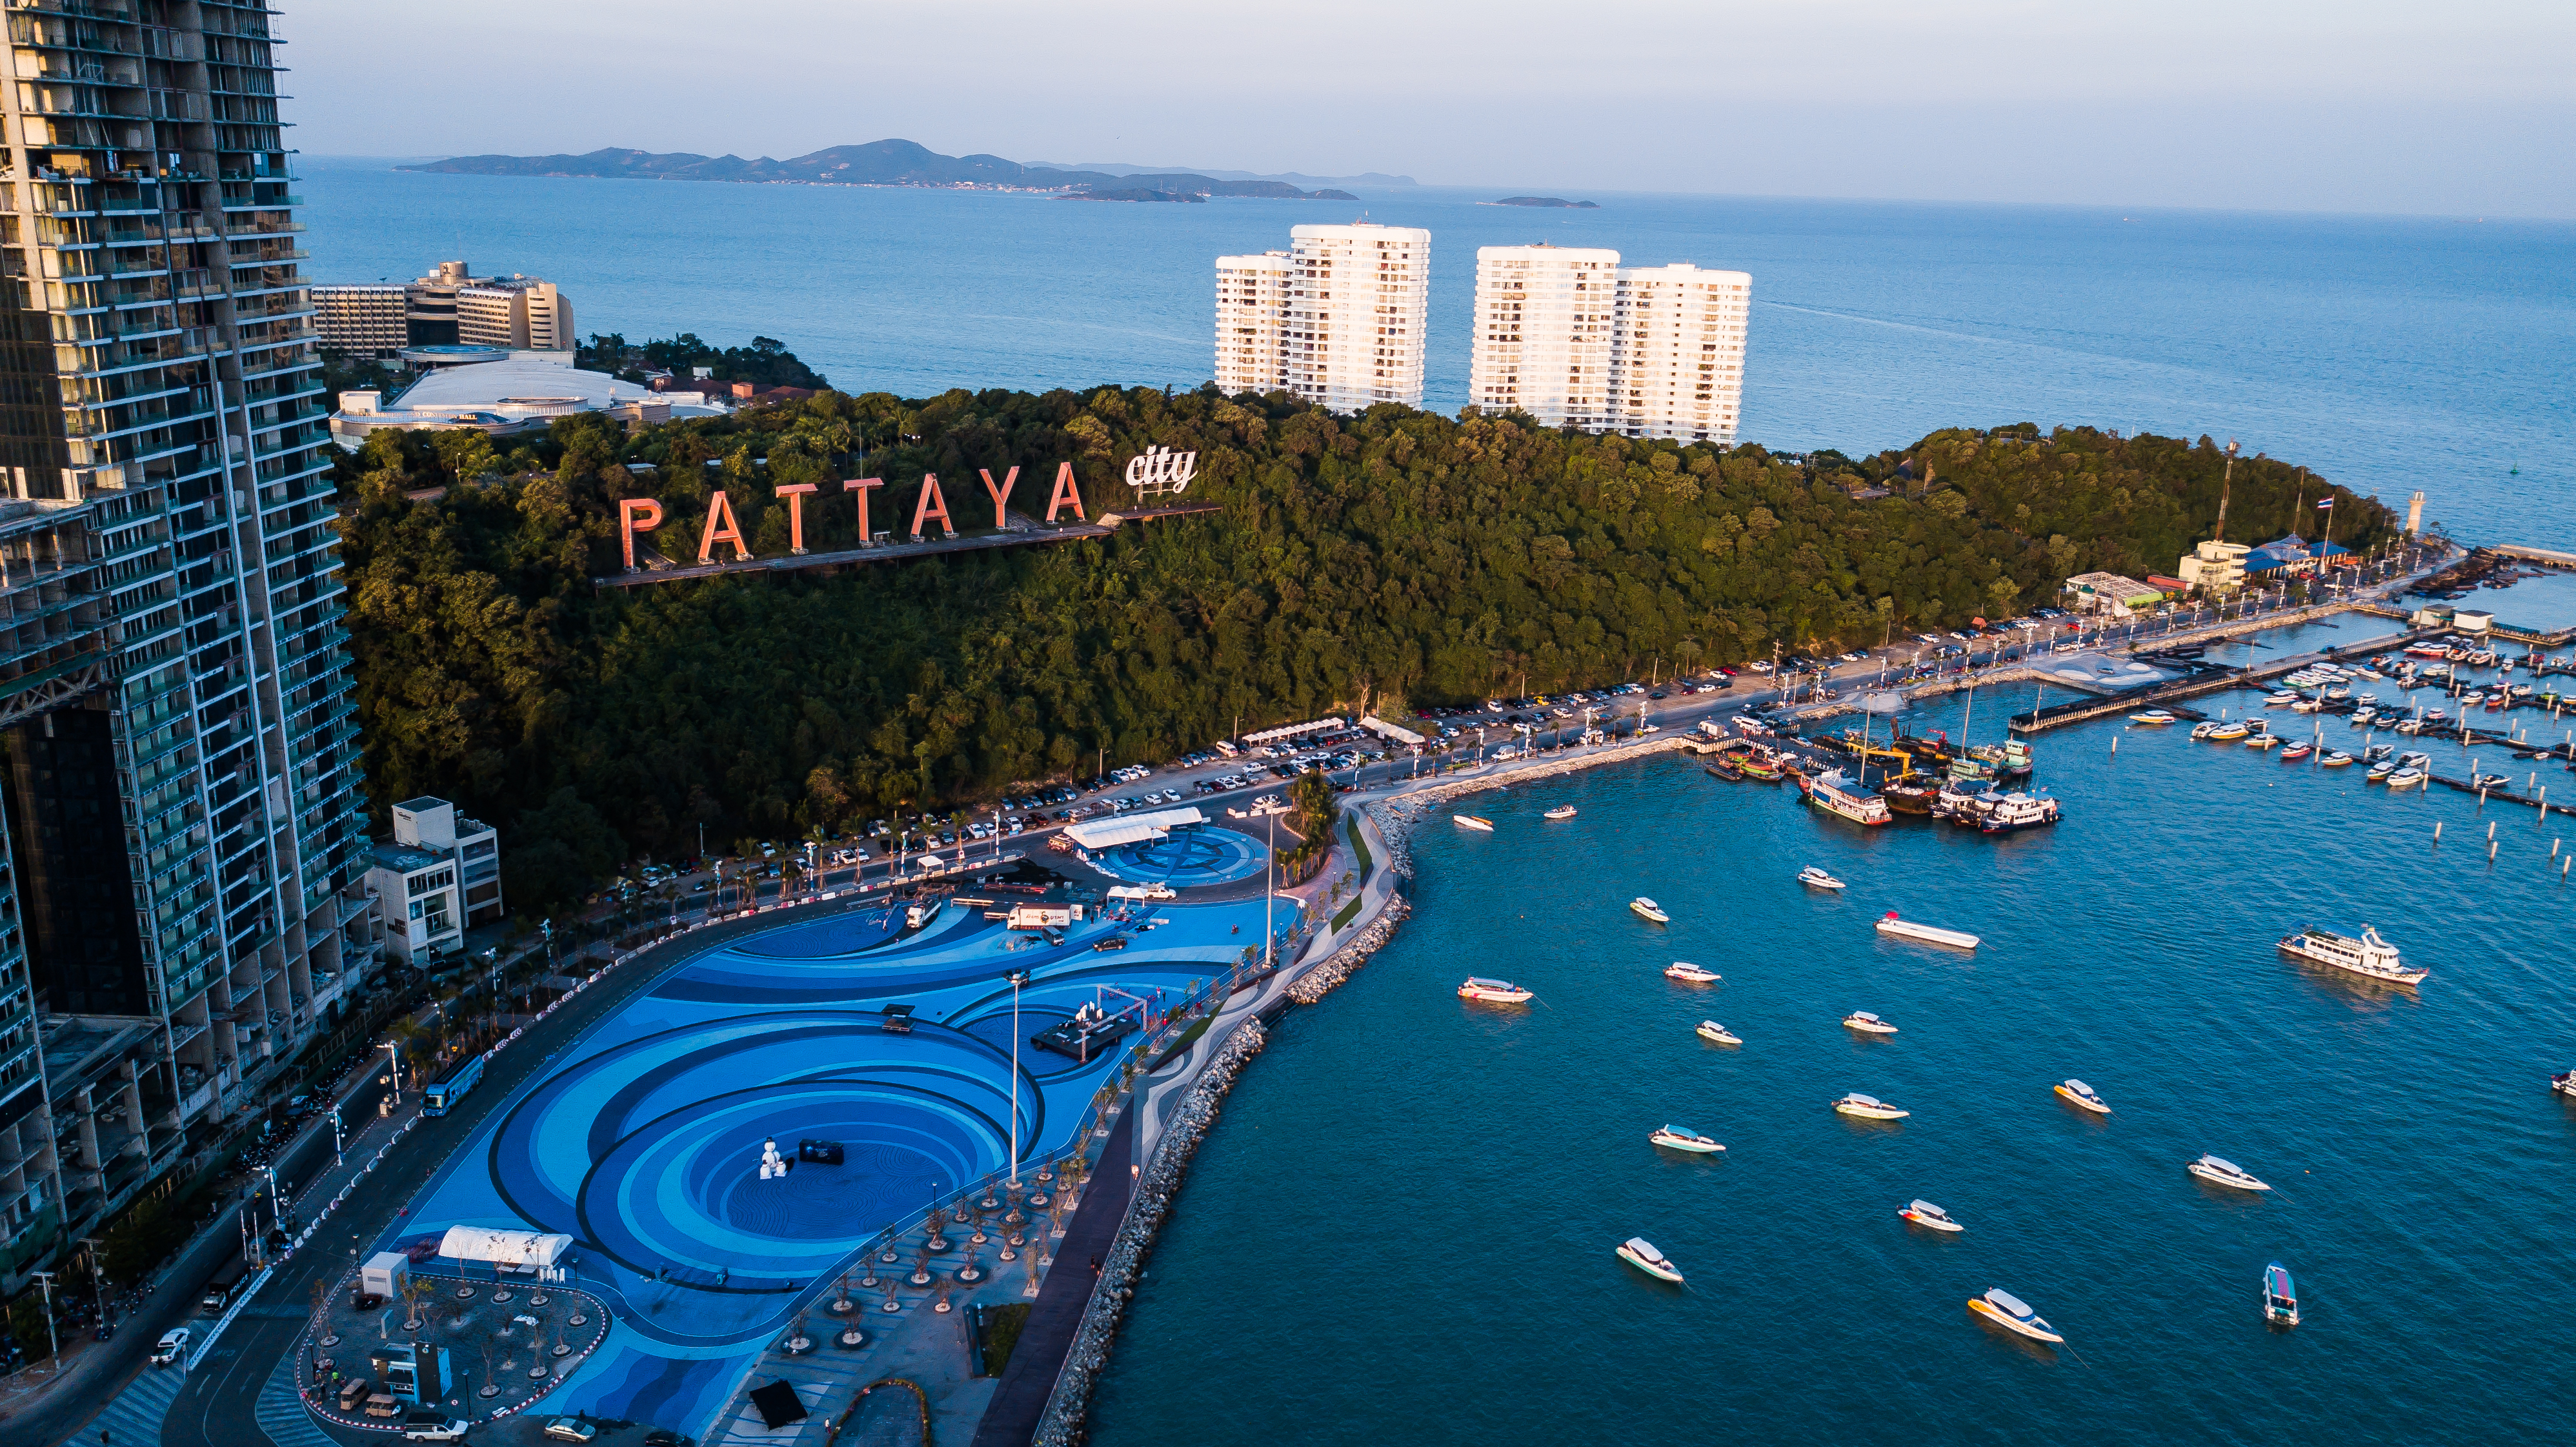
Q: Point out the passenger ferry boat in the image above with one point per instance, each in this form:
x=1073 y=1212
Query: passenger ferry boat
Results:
x=1679 y=1138
x=2008 y=1311
x=1837 y=794
x=1471 y=821
x=2280 y=1296
x=2369 y=955
x=1637 y=1251
x=2018 y=811
x=1924 y=1213
x=1493 y=992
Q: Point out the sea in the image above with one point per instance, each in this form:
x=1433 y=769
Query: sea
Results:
x=2390 y=354
x=1401 y=1227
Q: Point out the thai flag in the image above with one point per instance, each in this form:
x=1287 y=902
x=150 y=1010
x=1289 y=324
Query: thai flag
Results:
x=2329 y=502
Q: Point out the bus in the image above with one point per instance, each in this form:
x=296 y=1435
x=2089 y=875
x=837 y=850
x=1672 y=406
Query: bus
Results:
x=451 y=1085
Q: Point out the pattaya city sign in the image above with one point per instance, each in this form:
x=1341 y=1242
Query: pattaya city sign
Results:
x=1157 y=471
x=644 y=514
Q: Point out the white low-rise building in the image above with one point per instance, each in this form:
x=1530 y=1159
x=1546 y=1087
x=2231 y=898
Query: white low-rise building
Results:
x=2111 y=594
x=439 y=873
x=524 y=393
x=2214 y=567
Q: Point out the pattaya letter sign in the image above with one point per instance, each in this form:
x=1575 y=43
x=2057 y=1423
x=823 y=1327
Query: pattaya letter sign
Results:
x=723 y=526
x=1158 y=470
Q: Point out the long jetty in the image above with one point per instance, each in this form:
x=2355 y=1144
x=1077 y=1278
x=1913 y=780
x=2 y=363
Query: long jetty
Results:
x=2210 y=681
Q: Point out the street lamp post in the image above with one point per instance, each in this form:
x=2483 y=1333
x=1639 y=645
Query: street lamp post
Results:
x=1018 y=978
x=393 y=1056
x=54 y=1343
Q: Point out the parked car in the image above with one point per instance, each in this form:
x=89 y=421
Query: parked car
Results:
x=570 y=1429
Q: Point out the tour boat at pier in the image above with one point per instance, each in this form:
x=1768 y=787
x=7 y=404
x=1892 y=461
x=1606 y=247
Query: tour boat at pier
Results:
x=1863 y=1020
x=2225 y=1173
x=1493 y=992
x=1690 y=974
x=1835 y=793
x=2079 y=1093
x=1471 y=821
x=1912 y=795
x=1908 y=929
x=2018 y=811
x=2280 y=1296
x=2007 y=1310
x=1677 y=1138
x=1637 y=1251
x=1650 y=910
x=2152 y=718
x=1717 y=1034
x=1868 y=1107
x=2369 y=955
x=1924 y=1213
x=1561 y=811
x=1811 y=875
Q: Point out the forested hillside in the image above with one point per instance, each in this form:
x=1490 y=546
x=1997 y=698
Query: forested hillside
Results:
x=1387 y=560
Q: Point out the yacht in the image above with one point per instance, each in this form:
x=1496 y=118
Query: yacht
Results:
x=1716 y=1034
x=1679 y=1138
x=2152 y=718
x=2280 y=1296
x=2078 y=1093
x=1863 y=1020
x=2225 y=1173
x=2334 y=759
x=1493 y=992
x=1924 y=1213
x=2018 y=811
x=2406 y=779
x=1637 y=1251
x=2006 y=1310
x=1650 y=910
x=1869 y=1107
x=1908 y=929
x=1471 y=821
x=1835 y=793
x=2296 y=752
x=2369 y=955
x=1689 y=973
x=1561 y=811
x=1811 y=875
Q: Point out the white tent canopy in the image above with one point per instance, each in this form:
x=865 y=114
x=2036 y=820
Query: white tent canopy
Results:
x=1386 y=730
x=501 y=1247
x=1131 y=828
x=1290 y=731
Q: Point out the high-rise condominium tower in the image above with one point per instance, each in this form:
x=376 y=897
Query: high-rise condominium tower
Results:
x=183 y=823
x=1336 y=319
x=1574 y=339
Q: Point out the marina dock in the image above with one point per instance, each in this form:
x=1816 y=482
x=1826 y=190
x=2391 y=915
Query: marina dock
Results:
x=2211 y=680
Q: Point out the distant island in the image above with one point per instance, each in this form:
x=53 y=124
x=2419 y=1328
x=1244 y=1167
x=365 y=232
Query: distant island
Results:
x=1546 y=201
x=878 y=163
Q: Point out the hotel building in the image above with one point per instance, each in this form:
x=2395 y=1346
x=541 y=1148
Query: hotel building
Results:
x=184 y=832
x=1574 y=339
x=1336 y=319
x=446 y=308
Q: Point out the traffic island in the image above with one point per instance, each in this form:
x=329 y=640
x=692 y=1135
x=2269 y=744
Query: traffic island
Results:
x=476 y=1348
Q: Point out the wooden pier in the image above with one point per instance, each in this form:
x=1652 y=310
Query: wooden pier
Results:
x=2165 y=695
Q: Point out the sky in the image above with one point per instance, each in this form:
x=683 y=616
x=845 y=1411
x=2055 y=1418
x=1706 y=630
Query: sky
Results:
x=2462 y=108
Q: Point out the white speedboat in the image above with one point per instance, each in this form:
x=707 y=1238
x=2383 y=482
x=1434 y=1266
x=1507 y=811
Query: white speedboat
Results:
x=1471 y=821
x=2414 y=759
x=2007 y=1310
x=1678 y=1138
x=2283 y=699
x=2379 y=772
x=1493 y=992
x=1908 y=929
x=1717 y=1034
x=2564 y=1082
x=1818 y=879
x=1650 y=910
x=1924 y=1213
x=2152 y=718
x=2406 y=779
x=1690 y=974
x=1561 y=811
x=2078 y=1093
x=1867 y=1023
x=1868 y=1107
x=2225 y=1173
x=1637 y=1251
x=2201 y=731
x=2369 y=956
x=2280 y=1296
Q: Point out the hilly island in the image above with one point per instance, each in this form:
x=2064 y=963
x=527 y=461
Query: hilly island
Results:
x=877 y=163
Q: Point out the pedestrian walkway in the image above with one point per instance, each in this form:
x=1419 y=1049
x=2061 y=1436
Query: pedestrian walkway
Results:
x=281 y=1412
x=1028 y=1381
x=134 y=1418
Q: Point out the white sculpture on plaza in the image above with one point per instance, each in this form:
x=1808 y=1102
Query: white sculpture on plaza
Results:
x=772 y=1165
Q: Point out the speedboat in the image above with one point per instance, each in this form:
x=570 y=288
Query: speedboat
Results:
x=2296 y=752
x=2379 y=772
x=1868 y=1107
x=2201 y=731
x=1493 y=992
x=2281 y=699
x=2228 y=733
x=2225 y=1173
x=1561 y=811
x=1866 y=1022
x=1908 y=929
x=1924 y=1213
x=2306 y=705
x=2373 y=674
x=1471 y=821
x=2406 y=779
x=2564 y=1082
x=2007 y=1311
x=1689 y=973
x=1716 y=1034
x=1811 y=875
x=1637 y=1251
x=2152 y=718
x=1650 y=910
x=2377 y=753
x=2262 y=739
x=1677 y=1138
x=2483 y=782
x=2368 y=956
x=2414 y=759
x=2280 y=1296
x=2334 y=759
x=2078 y=1093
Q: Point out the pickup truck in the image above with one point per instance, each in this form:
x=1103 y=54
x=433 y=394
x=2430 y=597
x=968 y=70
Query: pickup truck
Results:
x=433 y=1427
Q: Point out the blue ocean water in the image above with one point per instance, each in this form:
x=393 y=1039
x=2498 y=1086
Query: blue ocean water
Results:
x=2389 y=353
x=1401 y=1227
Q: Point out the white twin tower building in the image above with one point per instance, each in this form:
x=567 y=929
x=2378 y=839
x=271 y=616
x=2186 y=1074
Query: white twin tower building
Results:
x=1564 y=334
